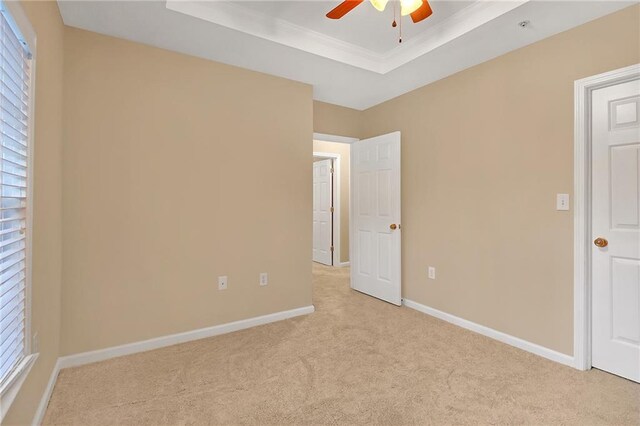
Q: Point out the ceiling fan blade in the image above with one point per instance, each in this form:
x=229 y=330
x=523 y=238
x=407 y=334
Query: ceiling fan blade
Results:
x=422 y=12
x=343 y=8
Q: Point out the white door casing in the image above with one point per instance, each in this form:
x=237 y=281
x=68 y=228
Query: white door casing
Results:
x=335 y=219
x=375 y=209
x=322 y=215
x=616 y=218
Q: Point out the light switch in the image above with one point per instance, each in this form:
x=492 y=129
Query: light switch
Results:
x=562 y=202
x=431 y=272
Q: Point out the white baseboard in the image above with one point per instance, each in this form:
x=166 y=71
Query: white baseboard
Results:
x=174 y=339
x=159 y=342
x=343 y=264
x=494 y=334
x=46 y=396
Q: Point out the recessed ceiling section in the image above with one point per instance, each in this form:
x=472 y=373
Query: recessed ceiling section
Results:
x=364 y=27
x=364 y=38
x=355 y=61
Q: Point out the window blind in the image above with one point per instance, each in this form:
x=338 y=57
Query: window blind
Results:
x=14 y=119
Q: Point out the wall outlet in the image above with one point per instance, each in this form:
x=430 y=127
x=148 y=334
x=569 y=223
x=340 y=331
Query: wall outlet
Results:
x=222 y=282
x=264 y=278
x=432 y=273
x=562 y=202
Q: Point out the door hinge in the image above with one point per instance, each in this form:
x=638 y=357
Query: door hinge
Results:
x=332 y=170
x=331 y=209
x=331 y=248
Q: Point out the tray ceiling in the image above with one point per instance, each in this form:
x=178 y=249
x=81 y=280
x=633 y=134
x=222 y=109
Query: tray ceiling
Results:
x=355 y=61
x=364 y=27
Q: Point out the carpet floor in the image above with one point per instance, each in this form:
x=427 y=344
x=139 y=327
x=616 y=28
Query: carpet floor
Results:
x=356 y=360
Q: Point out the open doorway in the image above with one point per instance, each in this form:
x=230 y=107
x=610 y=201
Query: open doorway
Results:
x=331 y=157
x=365 y=234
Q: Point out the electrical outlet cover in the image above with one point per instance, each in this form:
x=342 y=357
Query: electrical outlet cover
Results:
x=222 y=282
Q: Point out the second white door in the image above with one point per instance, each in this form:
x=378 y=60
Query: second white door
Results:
x=616 y=229
x=375 y=217
x=322 y=212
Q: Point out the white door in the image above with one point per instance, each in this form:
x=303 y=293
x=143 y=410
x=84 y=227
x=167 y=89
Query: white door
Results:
x=322 y=215
x=616 y=229
x=375 y=217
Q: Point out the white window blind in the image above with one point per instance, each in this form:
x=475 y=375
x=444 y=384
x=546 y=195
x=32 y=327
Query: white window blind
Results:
x=14 y=120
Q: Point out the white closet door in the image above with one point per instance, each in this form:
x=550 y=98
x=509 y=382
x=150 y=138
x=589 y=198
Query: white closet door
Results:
x=322 y=215
x=616 y=229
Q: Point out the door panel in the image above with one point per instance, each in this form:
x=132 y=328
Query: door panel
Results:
x=322 y=215
x=624 y=187
x=625 y=294
x=616 y=218
x=375 y=186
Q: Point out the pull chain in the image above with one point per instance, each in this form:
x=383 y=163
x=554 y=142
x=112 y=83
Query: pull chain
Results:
x=393 y=24
x=400 y=18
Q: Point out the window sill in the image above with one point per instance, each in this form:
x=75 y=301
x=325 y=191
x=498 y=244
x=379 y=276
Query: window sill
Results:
x=12 y=386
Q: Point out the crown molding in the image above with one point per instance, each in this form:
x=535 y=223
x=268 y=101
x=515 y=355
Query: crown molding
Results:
x=239 y=18
x=458 y=24
x=248 y=21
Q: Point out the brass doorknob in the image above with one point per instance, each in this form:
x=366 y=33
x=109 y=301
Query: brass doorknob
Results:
x=393 y=226
x=600 y=242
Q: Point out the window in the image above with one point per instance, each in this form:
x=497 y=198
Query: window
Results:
x=15 y=102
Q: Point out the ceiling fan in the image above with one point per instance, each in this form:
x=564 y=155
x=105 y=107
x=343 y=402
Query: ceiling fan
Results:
x=418 y=9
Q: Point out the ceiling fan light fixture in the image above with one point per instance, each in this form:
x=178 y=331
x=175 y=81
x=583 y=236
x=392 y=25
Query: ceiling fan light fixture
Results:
x=407 y=7
x=379 y=4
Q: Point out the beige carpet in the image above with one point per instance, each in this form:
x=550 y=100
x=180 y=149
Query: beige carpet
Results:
x=356 y=360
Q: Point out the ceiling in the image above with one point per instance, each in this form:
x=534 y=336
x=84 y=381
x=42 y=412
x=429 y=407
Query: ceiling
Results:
x=355 y=61
x=365 y=27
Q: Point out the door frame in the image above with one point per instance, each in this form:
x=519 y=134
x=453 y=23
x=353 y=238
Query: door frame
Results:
x=335 y=193
x=323 y=137
x=582 y=206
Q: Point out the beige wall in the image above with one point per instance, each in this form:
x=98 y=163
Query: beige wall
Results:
x=161 y=195
x=483 y=154
x=47 y=206
x=172 y=177
x=344 y=150
x=335 y=120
